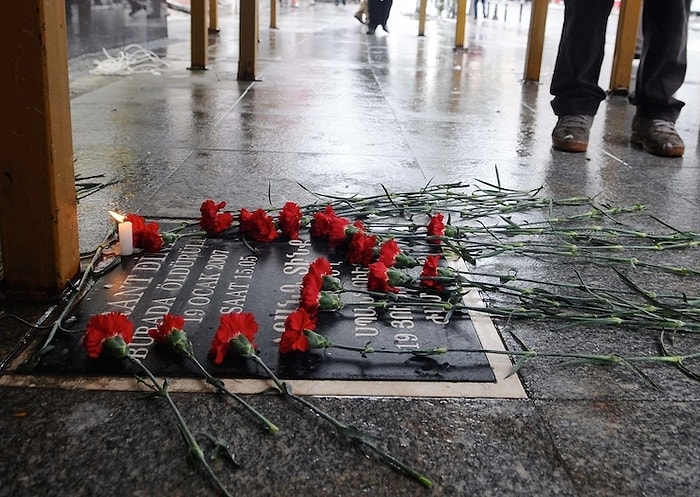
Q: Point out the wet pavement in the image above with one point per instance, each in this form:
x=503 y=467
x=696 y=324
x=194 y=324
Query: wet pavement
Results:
x=344 y=113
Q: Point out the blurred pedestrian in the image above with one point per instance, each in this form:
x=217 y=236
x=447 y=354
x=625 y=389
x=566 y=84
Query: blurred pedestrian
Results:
x=362 y=15
x=475 y=8
x=378 y=11
x=660 y=74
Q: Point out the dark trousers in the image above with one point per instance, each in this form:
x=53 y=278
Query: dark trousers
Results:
x=475 y=6
x=661 y=68
x=378 y=11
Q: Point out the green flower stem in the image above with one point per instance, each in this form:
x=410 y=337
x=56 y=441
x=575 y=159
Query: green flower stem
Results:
x=219 y=385
x=367 y=349
x=505 y=279
x=80 y=291
x=194 y=450
x=526 y=354
x=591 y=258
x=481 y=202
x=345 y=430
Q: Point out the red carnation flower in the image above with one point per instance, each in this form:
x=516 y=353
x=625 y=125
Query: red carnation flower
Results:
x=320 y=266
x=319 y=274
x=392 y=256
x=150 y=240
x=236 y=334
x=436 y=228
x=293 y=339
x=111 y=332
x=145 y=235
x=320 y=226
x=290 y=220
x=258 y=225
x=313 y=299
x=170 y=332
x=361 y=248
x=170 y=322
x=213 y=221
x=339 y=229
x=388 y=252
x=429 y=275
x=378 y=279
x=310 y=295
x=317 y=270
x=384 y=279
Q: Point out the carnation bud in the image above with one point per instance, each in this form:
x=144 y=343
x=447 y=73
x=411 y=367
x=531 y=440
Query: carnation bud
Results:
x=317 y=341
x=177 y=340
x=405 y=261
x=329 y=302
x=241 y=346
x=398 y=278
x=331 y=283
x=115 y=347
x=451 y=231
x=169 y=237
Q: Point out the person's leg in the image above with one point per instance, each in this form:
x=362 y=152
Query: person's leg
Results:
x=577 y=95
x=373 y=15
x=663 y=63
x=580 y=56
x=660 y=74
x=361 y=13
x=385 y=15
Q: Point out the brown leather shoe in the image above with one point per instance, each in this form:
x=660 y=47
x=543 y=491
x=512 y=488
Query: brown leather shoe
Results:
x=571 y=133
x=657 y=136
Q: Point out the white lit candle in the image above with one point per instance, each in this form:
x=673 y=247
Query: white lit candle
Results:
x=126 y=234
x=126 y=238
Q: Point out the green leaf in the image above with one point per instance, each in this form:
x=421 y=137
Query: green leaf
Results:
x=517 y=366
x=221 y=446
x=357 y=434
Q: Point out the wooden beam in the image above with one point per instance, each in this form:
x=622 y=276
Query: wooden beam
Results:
x=535 y=40
x=248 y=40
x=625 y=43
x=213 y=16
x=273 y=14
x=461 y=25
x=421 y=17
x=38 y=206
x=199 y=39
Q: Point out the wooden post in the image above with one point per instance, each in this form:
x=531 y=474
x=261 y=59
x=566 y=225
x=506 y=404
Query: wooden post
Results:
x=248 y=40
x=421 y=17
x=38 y=206
x=213 y=16
x=273 y=14
x=461 y=25
x=535 y=40
x=199 y=39
x=625 y=43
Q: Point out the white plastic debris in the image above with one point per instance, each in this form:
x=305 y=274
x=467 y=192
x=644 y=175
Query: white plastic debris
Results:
x=133 y=59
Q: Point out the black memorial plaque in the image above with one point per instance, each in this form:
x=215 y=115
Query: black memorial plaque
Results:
x=201 y=278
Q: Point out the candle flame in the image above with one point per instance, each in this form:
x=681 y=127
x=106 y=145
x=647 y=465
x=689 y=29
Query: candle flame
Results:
x=118 y=217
